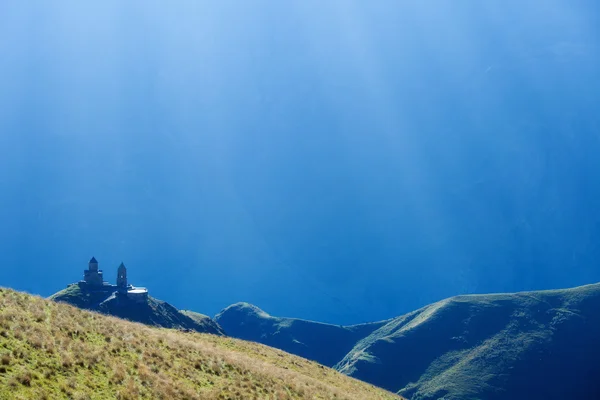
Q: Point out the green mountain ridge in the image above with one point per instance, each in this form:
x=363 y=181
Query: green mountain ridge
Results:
x=525 y=345
x=530 y=345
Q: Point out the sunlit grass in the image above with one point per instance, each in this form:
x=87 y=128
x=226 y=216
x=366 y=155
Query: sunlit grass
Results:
x=50 y=350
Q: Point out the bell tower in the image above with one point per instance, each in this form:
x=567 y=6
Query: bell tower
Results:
x=122 y=276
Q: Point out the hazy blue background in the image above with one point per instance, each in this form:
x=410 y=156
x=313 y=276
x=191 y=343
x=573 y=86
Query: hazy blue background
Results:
x=335 y=160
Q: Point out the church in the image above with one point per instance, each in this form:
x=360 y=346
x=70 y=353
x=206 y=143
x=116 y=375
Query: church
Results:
x=93 y=280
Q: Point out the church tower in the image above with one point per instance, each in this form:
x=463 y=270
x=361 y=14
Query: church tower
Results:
x=93 y=276
x=122 y=276
x=93 y=265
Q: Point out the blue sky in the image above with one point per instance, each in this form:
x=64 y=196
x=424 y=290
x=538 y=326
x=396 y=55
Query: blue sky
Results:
x=343 y=161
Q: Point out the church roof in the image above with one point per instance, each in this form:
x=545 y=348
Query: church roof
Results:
x=93 y=261
x=122 y=265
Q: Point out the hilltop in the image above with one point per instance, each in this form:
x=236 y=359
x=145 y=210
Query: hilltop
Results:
x=532 y=345
x=126 y=301
x=50 y=350
x=151 y=312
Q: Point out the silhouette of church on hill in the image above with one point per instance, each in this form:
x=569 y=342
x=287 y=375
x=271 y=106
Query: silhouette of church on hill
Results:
x=93 y=280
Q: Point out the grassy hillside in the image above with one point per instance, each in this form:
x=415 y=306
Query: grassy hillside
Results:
x=154 y=312
x=324 y=343
x=51 y=350
x=536 y=345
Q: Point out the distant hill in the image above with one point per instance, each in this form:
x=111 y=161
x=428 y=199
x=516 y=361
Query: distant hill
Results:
x=534 y=345
x=324 y=343
x=50 y=350
x=152 y=312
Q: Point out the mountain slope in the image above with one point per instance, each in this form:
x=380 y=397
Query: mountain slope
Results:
x=537 y=345
x=153 y=312
x=324 y=343
x=204 y=321
x=50 y=350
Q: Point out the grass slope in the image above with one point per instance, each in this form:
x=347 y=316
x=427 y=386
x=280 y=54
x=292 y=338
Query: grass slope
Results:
x=52 y=350
x=324 y=343
x=535 y=345
x=155 y=312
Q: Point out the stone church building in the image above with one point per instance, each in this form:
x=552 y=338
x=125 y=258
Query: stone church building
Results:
x=93 y=280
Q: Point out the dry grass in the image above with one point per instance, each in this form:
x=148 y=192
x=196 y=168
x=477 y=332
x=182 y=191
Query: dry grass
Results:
x=50 y=350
